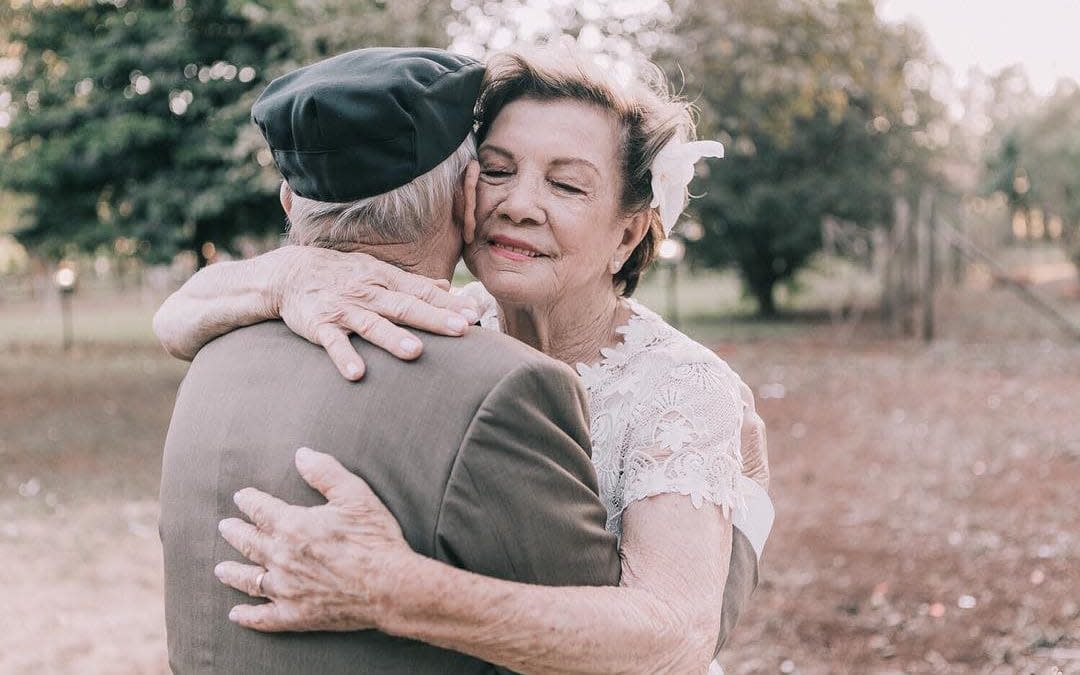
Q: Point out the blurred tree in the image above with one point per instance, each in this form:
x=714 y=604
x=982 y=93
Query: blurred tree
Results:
x=326 y=27
x=137 y=111
x=1037 y=168
x=825 y=111
x=129 y=123
x=1005 y=174
x=619 y=32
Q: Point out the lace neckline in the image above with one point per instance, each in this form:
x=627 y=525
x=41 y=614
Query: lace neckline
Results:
x=634 y=334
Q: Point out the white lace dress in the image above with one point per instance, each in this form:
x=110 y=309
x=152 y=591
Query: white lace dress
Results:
x=667 y=415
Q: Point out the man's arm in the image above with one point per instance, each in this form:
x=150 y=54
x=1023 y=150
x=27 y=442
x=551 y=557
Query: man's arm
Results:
x=521 y=501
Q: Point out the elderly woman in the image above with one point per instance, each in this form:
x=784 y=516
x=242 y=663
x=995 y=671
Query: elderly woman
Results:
x=579 y=179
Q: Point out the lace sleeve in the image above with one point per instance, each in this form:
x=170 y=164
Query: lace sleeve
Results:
x=687 y=436
x=489 y=309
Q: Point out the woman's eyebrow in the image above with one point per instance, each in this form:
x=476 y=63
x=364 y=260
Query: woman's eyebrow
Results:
x=576 y=161
x=560 y=162
x=497 y=150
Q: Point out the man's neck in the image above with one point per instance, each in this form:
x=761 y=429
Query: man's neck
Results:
x=411 y=257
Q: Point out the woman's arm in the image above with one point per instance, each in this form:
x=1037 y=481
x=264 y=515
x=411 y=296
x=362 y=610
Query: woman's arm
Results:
x=663 y=618
x=322 y=295
x=345 y=566
x=217 y=299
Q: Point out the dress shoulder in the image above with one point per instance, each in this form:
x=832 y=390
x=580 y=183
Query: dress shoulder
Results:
x=689 y=411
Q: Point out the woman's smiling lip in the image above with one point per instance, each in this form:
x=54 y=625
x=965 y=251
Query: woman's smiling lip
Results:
x=512 y=249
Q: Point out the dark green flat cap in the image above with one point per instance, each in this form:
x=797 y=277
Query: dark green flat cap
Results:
x=367 y=121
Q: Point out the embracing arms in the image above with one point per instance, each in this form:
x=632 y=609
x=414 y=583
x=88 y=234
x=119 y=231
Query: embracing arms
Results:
x=345 y=566
x=663 y=618
x=367 y=297
x=519 y=505
x=665 y=615
x=216 y=300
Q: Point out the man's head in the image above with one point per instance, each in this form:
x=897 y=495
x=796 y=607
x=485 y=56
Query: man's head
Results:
x=372 y=145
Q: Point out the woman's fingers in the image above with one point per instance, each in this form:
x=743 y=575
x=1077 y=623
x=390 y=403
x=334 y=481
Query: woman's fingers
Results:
x=407 y=309
x=382 y=333
x=247 y=539
x=264 y=510
x=335 y=340
x=327 y=475
x=244 y=578
x=426 y=289
x=268 y=618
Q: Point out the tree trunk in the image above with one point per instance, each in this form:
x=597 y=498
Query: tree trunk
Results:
x=766 y=302
x=761 y=286
x=197 y=243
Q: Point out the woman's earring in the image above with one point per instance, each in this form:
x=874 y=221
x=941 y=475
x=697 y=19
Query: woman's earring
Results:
x=616 y=265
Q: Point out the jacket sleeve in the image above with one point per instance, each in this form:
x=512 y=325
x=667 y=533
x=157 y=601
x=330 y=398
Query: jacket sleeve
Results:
x=741 y=581
x=521 y=501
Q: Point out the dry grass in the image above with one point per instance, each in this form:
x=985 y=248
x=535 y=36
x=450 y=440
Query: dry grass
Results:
x=80 y=442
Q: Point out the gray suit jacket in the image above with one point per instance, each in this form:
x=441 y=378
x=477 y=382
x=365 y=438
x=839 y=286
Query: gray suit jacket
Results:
x=480 y=450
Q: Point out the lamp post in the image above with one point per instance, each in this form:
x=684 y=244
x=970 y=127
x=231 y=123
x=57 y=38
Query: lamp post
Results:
x=671 y=253
x=65 y=279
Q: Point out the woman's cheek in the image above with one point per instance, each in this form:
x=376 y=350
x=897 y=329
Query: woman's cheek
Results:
x=488 y=192
x=485 y=209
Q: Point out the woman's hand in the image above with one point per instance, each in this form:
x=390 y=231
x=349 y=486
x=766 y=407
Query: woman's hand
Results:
x=324 y=295
x=323 y=567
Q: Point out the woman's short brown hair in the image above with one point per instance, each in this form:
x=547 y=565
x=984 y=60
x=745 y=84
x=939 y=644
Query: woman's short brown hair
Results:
x=648 y=117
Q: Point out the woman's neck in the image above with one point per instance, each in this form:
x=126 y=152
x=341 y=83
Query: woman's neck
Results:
x=572 y=329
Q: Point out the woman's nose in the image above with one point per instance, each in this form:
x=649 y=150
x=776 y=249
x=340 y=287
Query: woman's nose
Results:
x=521 y=203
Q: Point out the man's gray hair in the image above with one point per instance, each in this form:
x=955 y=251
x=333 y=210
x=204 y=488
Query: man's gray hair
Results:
x=405 y=214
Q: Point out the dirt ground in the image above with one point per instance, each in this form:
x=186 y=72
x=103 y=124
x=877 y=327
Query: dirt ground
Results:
x=927 y=511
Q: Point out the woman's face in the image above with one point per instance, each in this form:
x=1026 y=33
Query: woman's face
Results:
x=547 y=203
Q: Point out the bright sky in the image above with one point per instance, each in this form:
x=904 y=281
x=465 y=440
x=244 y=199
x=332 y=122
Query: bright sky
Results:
x=992 y=34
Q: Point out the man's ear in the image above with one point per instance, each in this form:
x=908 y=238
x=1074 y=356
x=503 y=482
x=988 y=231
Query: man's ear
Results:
x=285 y=195
x=468 y=201
x=634 y=229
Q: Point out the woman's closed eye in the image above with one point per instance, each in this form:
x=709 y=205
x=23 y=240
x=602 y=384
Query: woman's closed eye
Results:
x=569 y=188
x=494 y=173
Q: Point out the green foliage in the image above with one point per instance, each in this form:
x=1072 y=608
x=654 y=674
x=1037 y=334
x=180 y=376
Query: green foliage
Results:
x=130 y=119
x=823 y=112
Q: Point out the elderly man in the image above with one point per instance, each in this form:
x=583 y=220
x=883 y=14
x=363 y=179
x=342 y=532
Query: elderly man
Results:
x=372 y=145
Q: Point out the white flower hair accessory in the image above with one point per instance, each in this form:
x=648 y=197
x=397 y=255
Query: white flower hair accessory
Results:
x=672 y=171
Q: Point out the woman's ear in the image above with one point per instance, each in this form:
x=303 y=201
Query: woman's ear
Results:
x=634 y=229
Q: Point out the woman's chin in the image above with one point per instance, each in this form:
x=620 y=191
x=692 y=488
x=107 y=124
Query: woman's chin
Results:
x=511 y=286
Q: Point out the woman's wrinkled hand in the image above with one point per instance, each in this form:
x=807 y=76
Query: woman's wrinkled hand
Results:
x=324 y=295
x=324 y=567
